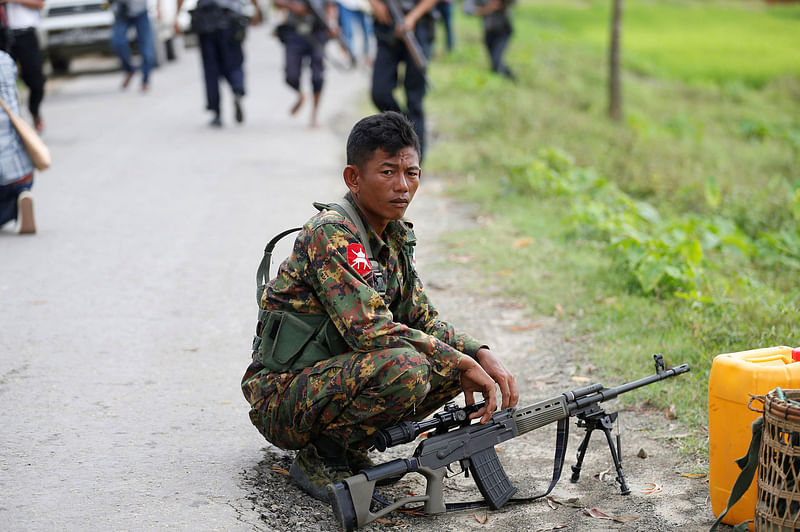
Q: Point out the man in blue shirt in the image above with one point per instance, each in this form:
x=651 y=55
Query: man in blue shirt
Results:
x=16 y=168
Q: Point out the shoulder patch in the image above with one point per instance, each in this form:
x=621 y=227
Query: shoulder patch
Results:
x=357 y=259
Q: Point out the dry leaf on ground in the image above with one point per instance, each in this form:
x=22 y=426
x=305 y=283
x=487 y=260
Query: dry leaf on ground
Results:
x=481 y=521
x=517 y=328
x=653 y=489
x=280 y=470
x=602 y=474
x=461 y=259
x=594 y=512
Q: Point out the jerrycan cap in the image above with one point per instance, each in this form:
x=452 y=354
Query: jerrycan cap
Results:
x=796 y=354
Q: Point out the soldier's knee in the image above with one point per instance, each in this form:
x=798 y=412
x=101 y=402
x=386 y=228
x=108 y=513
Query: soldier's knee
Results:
x=293 y=80
x=417 y=378
x=408 y=377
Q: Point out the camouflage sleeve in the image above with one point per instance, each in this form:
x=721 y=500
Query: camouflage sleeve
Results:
x=358 y=311
x=417 y=310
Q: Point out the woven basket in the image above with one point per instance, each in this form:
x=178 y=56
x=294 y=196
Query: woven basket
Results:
x=778 y=493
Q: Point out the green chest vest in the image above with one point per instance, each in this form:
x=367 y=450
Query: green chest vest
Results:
x=291 y=341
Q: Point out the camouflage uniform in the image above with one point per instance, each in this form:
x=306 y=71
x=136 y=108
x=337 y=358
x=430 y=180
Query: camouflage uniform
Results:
x=402 y=359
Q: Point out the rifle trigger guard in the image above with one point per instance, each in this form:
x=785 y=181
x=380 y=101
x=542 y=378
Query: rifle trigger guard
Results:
x=464 y=469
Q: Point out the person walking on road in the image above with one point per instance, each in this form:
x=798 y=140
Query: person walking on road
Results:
x=16 y=168
x=392 y=51
x=497 y=30
x=304 y=36
x=348 y=342
x=22 y=20
x=221 y=27
x=352 y=14
x=444 y=9
x=127 y=14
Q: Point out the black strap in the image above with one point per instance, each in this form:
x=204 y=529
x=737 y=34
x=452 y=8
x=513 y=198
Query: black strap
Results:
x=262 y=274
x=562 y=439
x=748 y=464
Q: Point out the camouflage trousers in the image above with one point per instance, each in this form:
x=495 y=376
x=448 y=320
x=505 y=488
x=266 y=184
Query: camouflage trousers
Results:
x=346 y=398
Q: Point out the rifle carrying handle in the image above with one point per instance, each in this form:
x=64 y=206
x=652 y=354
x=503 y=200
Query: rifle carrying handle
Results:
x=491 y=478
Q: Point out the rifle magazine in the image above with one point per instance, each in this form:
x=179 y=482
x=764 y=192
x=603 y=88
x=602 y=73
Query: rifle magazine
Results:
x=491 y=478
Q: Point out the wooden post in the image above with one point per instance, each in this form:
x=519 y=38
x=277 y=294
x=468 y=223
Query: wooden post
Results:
x=614 y=81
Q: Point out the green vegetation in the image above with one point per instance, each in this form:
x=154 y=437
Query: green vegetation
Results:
x=677 y=231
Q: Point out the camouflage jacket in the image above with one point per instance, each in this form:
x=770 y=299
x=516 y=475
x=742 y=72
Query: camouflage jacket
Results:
x=320 y=278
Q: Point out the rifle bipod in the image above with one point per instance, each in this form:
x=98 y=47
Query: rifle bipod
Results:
x=605 y=422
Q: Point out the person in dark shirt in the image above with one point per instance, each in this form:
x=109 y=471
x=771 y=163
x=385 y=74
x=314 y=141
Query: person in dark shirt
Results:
x=220 y=26
x=497 y=30
x=19 y=23
x=304 y=35
x=392 y=51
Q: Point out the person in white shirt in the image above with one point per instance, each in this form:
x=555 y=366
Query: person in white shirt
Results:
x=22 y=18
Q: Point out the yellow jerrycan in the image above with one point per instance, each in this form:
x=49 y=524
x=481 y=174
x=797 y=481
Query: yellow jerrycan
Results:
x=734 y=376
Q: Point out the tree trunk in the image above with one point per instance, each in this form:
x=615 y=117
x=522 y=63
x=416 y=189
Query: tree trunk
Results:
x=614 y=81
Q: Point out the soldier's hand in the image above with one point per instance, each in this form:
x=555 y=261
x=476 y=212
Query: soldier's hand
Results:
x=475 y=379
x=492 y=365
x=381 y=13
x=257 y=17
x=299 y=9
x=408 y=23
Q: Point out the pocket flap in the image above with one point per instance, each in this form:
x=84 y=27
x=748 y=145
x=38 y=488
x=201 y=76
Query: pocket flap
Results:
x=293 y=335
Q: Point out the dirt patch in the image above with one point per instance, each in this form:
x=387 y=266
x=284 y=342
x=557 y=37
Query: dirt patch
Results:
x=546 y=361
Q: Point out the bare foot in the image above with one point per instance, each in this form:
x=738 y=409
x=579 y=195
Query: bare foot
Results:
x=298 y=105
x=127 y=80
x=38 y=123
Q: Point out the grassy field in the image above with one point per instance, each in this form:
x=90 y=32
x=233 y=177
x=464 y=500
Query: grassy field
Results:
x=675 y=231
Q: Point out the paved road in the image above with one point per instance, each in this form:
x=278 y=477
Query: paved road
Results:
x=127 y=320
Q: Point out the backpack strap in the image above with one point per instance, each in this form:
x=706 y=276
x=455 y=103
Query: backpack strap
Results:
x=262 y=274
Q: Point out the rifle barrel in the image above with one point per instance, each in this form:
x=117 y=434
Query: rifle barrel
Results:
x=610 y=393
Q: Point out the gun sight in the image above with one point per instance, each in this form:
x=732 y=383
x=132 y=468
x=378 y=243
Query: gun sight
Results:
x=453 y=416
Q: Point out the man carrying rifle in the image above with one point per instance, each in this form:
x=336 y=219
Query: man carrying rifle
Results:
x=404 y=30
x=347 y=341
x=304 y=34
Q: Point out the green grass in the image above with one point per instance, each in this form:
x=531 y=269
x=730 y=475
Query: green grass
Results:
x=690 y=41
x=719 y=150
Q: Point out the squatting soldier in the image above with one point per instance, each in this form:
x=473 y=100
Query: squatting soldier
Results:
x=348 y=342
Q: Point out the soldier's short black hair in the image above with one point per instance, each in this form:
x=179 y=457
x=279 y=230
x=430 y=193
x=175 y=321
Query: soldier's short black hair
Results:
x=389 y=131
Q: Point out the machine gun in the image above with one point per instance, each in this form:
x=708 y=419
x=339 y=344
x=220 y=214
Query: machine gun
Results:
x=456 y=439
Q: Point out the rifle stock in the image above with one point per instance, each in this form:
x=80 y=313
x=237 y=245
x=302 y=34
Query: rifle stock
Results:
x=456 y=439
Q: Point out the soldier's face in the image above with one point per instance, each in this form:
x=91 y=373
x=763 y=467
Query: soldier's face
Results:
x=386 y=184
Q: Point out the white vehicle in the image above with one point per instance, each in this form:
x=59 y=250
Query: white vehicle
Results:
x=76 y=27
